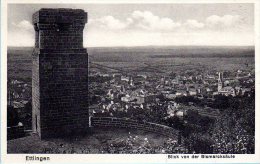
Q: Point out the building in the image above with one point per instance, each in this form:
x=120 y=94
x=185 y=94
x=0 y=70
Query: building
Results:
x=193 y=92
x=146 y=98
x=181 y=93
x=125 y=78
x=126 y=98
x=227 y=91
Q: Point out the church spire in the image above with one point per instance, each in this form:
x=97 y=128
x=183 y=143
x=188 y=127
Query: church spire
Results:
x=220 y=81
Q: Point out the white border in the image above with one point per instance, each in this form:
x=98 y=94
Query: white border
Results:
x=120 y=158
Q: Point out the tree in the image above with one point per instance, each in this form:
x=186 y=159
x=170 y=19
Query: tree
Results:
x=221 y=102
x=234 y=130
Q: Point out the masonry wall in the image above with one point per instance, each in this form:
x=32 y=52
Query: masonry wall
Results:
x=35 y=92
x=112 y=122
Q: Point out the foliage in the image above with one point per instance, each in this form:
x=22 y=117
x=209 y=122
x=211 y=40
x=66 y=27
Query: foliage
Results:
x=233 y=132
x=187 y=99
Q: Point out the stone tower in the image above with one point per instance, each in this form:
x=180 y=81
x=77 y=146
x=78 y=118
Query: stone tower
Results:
x=59 y=73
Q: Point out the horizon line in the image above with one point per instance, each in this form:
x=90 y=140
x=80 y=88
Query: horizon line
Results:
x=154 y=46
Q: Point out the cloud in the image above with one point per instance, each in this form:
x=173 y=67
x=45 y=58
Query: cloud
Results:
x=138 y=20
x=224 y=21
x=192 y=23
x=112 y=23
x=141 y=28
x=148 y=21
x=146 y=28
x=24 y=25
x=21 y=34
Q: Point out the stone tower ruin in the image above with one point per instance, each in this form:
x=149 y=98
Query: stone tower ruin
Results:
x=59 y=73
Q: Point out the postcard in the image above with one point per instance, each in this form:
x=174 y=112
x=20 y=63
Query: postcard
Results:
x=130 y=81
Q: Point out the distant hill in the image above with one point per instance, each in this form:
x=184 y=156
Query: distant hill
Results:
x=149 y=48
x=19 y=60
x=19 y=48
x=142 y=53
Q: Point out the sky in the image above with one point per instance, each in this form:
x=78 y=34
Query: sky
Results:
x=112 y=25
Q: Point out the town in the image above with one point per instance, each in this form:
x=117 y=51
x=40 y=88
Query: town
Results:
x=199 y=103
x=116 y=93
x=191 y=100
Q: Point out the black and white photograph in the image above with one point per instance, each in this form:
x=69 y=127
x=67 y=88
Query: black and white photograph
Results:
x=130 y=78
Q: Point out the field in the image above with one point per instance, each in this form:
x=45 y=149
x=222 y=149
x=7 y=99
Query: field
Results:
x=136 y=59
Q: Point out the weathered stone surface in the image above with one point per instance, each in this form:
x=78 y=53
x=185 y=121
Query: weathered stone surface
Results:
x=59 y=28
x=59 y=73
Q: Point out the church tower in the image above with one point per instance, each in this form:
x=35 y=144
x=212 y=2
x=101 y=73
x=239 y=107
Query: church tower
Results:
x=220 y=81
x=59 y=73
x=131 y=81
